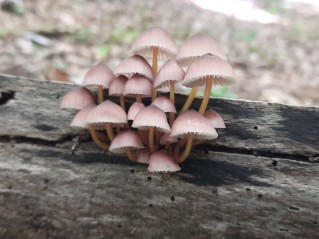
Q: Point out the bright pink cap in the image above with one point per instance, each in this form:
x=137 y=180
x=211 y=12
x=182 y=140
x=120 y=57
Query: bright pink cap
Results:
x=215 y=119
x=161 y=162
x=117 y=86
x=193 y=122
x=164 y=104
x=138 y=85
x=99 y=74
x=151 y=116
x=134 y=110
x=106 y=112
x=170 y=71
x=155 y=37
x=78 y=99
x=209 y=66
x=197 y=46
x=127 y=139
x=134 y=65
x=79 y=119
x=143 y=156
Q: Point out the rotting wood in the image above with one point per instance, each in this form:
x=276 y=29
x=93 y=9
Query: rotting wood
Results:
x=46 y=191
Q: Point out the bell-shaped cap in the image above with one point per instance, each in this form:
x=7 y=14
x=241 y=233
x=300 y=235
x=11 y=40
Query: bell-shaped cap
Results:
x=197 y=46
x=134 y=65
x=161 y=162
x=209 y=66
x=193 y=122
x=143 y=156
x=78 y=99
x=117 y=86
x=170 y=71
x=79 y=119
x=151 y=116
x=164 y=104
x=127 y=139
x=138 y=86
x=215 y=119
x=106 y=112
x=134 y=110
x=155 y=37
x=99 y=74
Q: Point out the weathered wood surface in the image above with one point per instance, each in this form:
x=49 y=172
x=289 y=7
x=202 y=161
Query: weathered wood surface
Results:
x=48 y=192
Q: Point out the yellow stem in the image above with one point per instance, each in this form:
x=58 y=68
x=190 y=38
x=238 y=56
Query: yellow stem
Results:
x=100 y=94
x=189 y=100
x=143 y=134
x=109 y=131
x=172 y=98
x=130 y=155
x=97 y=141
x=151 y=139
x=122 y=102
x=154 y=67
x=187 y=149
x=208 y=88
x=138 y=98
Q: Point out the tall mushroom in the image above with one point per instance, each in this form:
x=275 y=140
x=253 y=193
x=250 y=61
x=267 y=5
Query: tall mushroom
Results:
x=99 y=75
x=157 y=43
x=208 y=70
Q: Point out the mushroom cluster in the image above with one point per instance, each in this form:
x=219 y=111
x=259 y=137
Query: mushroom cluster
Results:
x=155 y=134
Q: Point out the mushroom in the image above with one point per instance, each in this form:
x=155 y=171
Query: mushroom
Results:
x=134 y=110
x=117 y=88
x=208 y=70
x=215 y=119
x=151 y=117
x=139 y=87
x=78 y=99
x=169 y=74
x=143 y=156
x=125 y=141
x=80 y=121
x=157 y=43
x=106 y=115
x=100 y=75
x=191 y=125
x=162 y=162
x=134 y=65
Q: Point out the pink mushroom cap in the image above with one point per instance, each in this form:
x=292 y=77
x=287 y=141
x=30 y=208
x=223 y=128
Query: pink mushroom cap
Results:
x=166 y=139
x=164 y=104
x=197 y=46
x=127 y=139
x=134 y=65
x=143 y=156
x=138 y=85
x=151 y=116
x=170 y=71
x=99 y=74
x=161 y=162
x=215 y=119
x=209 y=66
x=79 y=119
x=106 y=112
x=193 y=122
x=134 y=110
x=155 y=37
x=78 y=99
x=117 y=86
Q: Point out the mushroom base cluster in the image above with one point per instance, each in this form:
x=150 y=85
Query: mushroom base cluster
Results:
x=155 y=134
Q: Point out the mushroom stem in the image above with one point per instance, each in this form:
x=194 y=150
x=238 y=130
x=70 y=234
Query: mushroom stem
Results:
x=96 y=139
x=189 y=100
x=154 y=67
x=100 y=94
x=109 y=131
x=130 y=155
x=151 y=139
x=122 y=102
x=187 y=149
x=138 y=98
x=172 y=98
x=203 y=106
x=143 y=134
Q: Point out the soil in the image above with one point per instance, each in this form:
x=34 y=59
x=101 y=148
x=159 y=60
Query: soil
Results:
x=60 y=40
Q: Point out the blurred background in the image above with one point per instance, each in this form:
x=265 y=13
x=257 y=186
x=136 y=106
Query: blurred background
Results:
x=272 y=44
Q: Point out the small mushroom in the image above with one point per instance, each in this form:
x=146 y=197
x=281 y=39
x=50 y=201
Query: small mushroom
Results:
x=162 y=162
x=78 y=99
x=117 y=89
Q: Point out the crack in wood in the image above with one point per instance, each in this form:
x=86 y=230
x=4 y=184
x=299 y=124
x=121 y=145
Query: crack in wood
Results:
x=35 y=141
x=5 y=96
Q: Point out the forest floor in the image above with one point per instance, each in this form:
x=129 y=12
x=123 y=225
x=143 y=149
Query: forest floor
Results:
x=60 y=40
